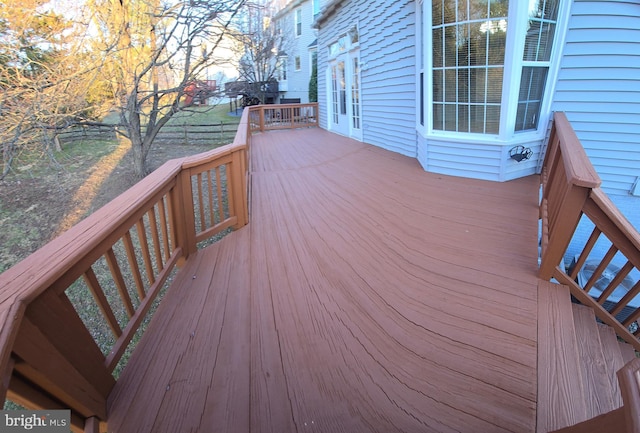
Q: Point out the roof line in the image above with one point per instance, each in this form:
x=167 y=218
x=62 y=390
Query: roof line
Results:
x=326 y=12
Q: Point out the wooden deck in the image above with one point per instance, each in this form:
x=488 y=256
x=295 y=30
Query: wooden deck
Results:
x=365 y=295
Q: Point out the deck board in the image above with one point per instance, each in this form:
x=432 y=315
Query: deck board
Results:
x=372 y=296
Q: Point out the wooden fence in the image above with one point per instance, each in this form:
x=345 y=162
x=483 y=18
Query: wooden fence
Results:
x=198 y=134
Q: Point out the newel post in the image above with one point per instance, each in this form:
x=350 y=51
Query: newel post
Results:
x=568 y=178
x=562 y=230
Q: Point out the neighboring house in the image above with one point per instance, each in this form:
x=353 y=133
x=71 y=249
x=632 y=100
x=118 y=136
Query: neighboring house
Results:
x=295 y=19
x=461 y=85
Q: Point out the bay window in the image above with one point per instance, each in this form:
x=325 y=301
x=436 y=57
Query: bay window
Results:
x=543 y=18
x=478 y=48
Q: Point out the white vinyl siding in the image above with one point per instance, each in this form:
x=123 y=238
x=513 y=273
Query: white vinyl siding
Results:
x=387 y=69
x=599 y=87
x=594 y=78
x=298 y=49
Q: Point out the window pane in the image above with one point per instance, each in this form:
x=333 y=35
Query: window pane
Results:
x=539 y=41
x=438 y=86
x=463 y=118
x=450 y=85
x=494 y=84
x=463 y=84
x=493 y=119
x=438 y=116
x=449 y=11
x=343 y=88
x=463 y=45
x=498 y=8
x=477 y=84
x=436 y=12
x=532 y=86
x=497 y=43
x=437 y=48
x=477 y=44
x=544 y=9
x=477 y=118
x=450 y=118
x=450 y=46
x=334 y=91
x=478 y=9
x=543 y=15
x=463 y=10
x=469 y=38
x=421 y=98
x=355 y=94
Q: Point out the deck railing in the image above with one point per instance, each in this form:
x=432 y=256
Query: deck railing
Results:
x=285 y=116
x=571 y=193
x=71 y=309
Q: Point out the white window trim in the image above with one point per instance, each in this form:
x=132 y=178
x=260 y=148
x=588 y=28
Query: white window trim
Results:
x=297 y=21
x=422 y=60
x=513 y=64
x=348 y=46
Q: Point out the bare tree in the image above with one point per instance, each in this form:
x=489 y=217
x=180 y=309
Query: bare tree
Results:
x=40 y=83
x=152 y=52
x=135 y=57
x=262 y=47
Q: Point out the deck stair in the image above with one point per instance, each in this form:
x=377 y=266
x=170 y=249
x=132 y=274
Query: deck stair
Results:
x=577 y=362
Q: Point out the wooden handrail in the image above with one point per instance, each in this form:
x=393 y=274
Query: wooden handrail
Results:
x=570 y=192
x=567 y=181
x=48 y=357
x=579 y=170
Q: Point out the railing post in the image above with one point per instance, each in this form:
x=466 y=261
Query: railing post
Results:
x=183 y=213
x=563 y=230
x=239 y=190
x=568 y=178
x=261 y=119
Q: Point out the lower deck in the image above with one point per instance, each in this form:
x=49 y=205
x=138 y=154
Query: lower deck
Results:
x=365 y=295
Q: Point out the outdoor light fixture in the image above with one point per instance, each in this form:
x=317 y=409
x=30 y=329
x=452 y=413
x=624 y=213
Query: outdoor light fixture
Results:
x=520 y=153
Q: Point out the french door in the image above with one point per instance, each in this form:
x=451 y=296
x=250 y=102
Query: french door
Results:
x=344 y=95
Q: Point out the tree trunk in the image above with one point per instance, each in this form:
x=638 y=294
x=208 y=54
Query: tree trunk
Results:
x=140 y=151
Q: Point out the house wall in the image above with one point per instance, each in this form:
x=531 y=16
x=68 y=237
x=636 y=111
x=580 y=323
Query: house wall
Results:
x=387 y=62
x=297 y=83
x=599 y=90
x=598 y=86
x=477 y=160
